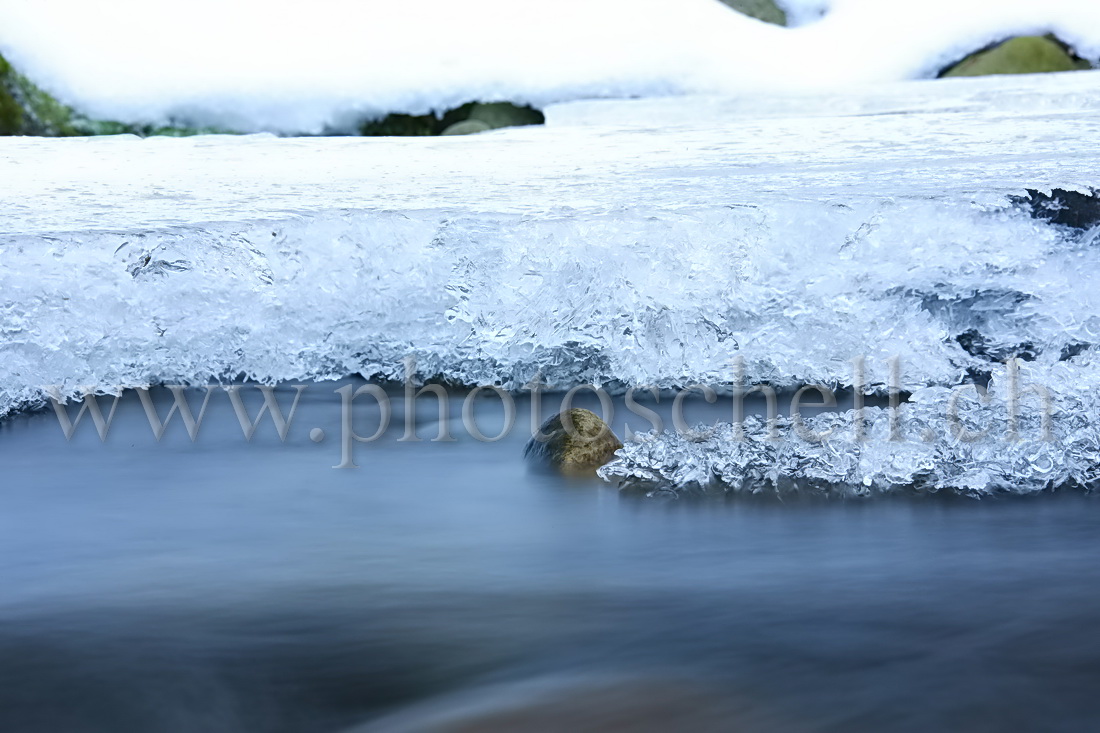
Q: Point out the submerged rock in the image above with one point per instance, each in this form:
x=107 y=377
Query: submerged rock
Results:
x=1021 y=55
x=765 y=10
x=579 y=443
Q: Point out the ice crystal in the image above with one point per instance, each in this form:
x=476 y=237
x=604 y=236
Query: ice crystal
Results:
x=1030 y=432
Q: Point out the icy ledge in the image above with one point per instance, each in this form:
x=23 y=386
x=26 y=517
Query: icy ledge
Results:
x=795 y=236
x=944 y=440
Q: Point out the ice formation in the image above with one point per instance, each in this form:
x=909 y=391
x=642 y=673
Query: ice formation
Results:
x=1030 y=432
x=625 y=243
x=269 y=65
x=587 y=251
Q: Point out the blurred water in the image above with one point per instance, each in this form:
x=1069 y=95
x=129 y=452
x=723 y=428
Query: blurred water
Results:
x=228 y=585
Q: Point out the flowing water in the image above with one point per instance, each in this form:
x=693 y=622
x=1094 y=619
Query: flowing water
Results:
x=233 y=585
x=226 y=584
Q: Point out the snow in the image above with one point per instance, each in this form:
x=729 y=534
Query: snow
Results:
x=800 y=202
x=268 y=65
x=876 y=223
x=802 y=12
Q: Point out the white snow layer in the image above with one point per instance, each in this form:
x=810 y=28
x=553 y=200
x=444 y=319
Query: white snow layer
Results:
x=653 y=252
x=287 y=67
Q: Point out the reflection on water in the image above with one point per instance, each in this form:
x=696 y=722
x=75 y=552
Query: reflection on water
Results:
x=228 y=585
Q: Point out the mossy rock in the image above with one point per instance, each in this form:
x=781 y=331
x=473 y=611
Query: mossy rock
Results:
x=405 y=125
x=26 y=109
x=1020 y=55
x=466 y=127
x=576 y=442
x=492 y=115
x=401 y=125
x=765 y=10
x=11 y=115
x=505 y=114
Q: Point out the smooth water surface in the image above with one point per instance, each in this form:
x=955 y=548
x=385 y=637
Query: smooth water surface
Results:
x=228 y=585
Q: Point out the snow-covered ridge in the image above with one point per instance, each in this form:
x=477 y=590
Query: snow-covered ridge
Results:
x=267 y=65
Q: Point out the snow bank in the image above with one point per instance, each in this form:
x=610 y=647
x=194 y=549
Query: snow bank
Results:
x=280 y=66
x=587 y=252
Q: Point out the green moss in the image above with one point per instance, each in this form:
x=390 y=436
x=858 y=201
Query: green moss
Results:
x=102 y=127
x=11 y=114
x=765 y=10
x=1079 y=64
x=1021 y=55
x=506 y=114
x=456 y=115
x=575 y=442
x=401 y=125
x=25 y=109
x=493 y=115
x=466 y=127
x=51 y=117
x=176 y=131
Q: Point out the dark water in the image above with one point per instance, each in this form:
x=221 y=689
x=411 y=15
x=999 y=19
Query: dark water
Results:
x=226 y=585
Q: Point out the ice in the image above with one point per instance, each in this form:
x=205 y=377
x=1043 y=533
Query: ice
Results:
x=625 y=243
x=587 y=251
x=943 y=442
x=595 y=249
x=270 y=65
